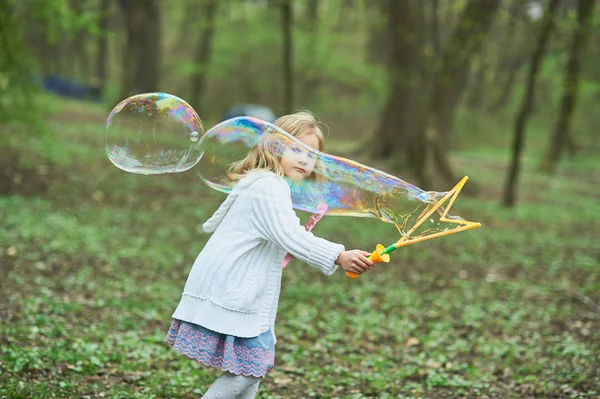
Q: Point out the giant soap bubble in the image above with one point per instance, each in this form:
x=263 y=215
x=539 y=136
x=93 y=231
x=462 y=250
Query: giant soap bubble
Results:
x=345 y=186
x=153 y=133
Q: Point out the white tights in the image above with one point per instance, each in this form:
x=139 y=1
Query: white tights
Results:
x=231 y=386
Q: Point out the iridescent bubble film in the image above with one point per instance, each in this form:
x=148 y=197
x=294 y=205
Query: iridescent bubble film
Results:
x=347 y=187
x=153 y=133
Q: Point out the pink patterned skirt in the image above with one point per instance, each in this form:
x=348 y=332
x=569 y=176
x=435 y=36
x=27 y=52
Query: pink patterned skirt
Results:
x=248 y=356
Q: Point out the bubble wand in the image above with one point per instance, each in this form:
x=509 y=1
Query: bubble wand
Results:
x=381 y=253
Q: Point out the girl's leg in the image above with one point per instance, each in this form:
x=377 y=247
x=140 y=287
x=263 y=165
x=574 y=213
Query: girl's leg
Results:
x=250 y=392
x=231 y=386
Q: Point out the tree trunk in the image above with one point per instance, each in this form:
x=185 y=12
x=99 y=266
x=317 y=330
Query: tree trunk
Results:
x=345 y=18
x=507 y=86
x=521 y=120
x=312 y=8
x=562 y=136
x=450 y=81
x=142 y=49
x=380 y=32
x=287 y=20
x=435 y=29
x=192 y=15
x=80 y=56
x=311 y=75
x=464 y=42
x=476 y=96
x=102 y=49
x=397 y=134
x=511 y=61
x=203 y=55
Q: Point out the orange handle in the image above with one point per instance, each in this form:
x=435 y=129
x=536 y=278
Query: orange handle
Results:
x=375 y=257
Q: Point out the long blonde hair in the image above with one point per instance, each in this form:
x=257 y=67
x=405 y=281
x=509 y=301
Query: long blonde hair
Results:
x=264 y=156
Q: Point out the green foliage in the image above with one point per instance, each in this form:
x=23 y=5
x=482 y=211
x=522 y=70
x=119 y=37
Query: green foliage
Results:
x=18 y=103
x=21 y=99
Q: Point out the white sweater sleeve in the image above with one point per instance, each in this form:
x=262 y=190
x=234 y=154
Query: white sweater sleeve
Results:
x=273 y=216
x=211 y=224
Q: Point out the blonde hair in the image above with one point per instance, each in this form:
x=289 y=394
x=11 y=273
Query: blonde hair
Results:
x=263 y=154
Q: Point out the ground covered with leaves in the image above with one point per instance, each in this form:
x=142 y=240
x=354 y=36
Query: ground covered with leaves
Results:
x=93 y=261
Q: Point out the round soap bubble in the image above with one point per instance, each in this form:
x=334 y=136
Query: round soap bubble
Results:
x=153 y=133
x=345 y=186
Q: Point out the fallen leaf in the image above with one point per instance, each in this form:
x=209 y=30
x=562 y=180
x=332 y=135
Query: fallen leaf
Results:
x=412 y=342
x=98 y=196
x=433 y=364
x=282 y=380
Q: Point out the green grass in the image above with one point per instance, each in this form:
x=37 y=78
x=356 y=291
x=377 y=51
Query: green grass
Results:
x=93 y=263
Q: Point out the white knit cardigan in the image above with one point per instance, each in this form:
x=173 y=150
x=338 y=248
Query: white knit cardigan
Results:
x=233 y=287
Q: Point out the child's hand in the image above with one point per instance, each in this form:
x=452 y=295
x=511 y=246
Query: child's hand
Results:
x=355 y=261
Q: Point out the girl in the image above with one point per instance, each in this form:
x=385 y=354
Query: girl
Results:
x=226 y=316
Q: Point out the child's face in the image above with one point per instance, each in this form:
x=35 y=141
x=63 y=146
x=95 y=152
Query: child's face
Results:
x=296 y=162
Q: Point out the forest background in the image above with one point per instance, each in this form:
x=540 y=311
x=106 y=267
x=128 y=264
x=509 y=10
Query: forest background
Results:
x=93 y=259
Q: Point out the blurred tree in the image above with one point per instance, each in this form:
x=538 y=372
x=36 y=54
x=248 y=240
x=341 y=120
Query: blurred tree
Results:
x=346 y=16
x=450 y=81
x=78 y=54
x=203 y=53
x=379 y=46
x=476 y=98
x=435 y=28
x=287 y=20
x=102 y=45
x=312 y=13
x=142 y=48
x=192 y=14
x=562 y=136
x=397 y=133
x=14 y=61
x=20 y=102
x=511 y=54
x=547 y=23
x=479 y=87
x=309 y=76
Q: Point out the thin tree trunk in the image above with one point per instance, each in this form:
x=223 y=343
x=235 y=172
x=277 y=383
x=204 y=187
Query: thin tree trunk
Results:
x=345 y=16
x=310 y=76
x=397 y=134
x=203 y=55
x=521 y=120
x=81 y=56
x=465 y=41
x=511 y=60
x=102 y=49
x=142 y=50
x=288 y=67
x=451 y=80
x=435 y=28
x=192 y=14
x=379 y=42
x=562 y=136
x=476 y=98
x=508 y=85
x=312 y=13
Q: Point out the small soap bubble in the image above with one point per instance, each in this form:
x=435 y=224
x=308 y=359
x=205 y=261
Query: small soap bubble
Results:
x=153 y=133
